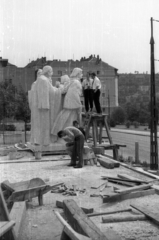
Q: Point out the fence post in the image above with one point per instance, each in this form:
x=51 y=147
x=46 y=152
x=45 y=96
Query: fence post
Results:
x=136 y=152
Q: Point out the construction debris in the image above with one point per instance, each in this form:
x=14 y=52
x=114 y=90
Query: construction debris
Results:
x=69 y=191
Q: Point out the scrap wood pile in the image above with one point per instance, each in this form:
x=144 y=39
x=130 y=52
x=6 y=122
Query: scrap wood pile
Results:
x=78 y=225
x=69 y=191
x=135 y=188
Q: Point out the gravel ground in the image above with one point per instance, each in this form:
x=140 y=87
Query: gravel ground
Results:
x=41 y=223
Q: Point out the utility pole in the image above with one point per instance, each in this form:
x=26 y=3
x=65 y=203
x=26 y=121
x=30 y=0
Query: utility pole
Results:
x=108 y=109
x=154 y=117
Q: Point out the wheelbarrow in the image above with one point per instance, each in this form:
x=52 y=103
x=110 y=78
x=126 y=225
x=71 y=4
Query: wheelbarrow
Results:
x=26 y=190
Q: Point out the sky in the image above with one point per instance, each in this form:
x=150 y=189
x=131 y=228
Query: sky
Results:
x=118 y=31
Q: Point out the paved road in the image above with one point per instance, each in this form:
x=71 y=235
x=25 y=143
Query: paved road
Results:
x=129 y=138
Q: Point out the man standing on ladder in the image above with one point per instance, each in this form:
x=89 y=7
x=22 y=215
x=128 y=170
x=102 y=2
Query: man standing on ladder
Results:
x=88 y=93
x=96 y=85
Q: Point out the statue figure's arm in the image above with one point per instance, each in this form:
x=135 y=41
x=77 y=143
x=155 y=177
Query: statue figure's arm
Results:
x=43 y=94
x=65 y=87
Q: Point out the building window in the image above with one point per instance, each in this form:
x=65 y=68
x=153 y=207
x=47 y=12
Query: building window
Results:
x=59 y=72
x=98 y=72
x=103 y=95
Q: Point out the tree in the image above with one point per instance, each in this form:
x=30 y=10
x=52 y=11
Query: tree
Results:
x=22 y=111
x=118 y=115
x=7 y=99
x=132 y=110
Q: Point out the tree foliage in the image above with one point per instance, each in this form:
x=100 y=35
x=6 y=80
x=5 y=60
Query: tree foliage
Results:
x=118 y=115
x=13 y=102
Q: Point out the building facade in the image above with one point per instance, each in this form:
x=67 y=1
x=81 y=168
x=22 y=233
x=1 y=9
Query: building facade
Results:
x=106 y=73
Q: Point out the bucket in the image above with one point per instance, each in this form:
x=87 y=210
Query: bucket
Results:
x=37 y=155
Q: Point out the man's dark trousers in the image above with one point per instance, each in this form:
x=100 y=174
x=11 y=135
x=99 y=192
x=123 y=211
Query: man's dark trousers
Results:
x=96 y=99
x=88 y=99
x=78 y=150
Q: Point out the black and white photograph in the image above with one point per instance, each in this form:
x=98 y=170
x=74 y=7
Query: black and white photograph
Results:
x=79 y=120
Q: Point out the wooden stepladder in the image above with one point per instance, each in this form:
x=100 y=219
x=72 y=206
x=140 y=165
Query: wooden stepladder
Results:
x=93 y=120
x=6 y=225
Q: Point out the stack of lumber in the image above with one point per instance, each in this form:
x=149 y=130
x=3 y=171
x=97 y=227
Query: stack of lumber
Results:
x=136 y=188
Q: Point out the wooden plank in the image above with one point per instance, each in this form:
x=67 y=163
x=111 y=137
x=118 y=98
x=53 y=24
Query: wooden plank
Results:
x=156 y=187
x=120 y=196
x=136 y=188
x=73 y=235
x=82 y=224
x=116 y=163
x=106 y=163
x=115 y=219
x=140 y=171
x=17 y=214
x=128 y=177
x=85 y=210
x=109 y=212
x=148 y=213
x=120 y=182
x=5 y=227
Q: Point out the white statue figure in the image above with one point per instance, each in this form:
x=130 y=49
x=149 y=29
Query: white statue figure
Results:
x=39 y=72
x=72 y=106
x=45 y=102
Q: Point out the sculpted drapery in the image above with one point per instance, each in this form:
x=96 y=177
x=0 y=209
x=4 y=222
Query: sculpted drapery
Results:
x=51 y=113
x=45 y=105
x=72 y=106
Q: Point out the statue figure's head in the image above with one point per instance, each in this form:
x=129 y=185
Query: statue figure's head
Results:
x=64 y=79
x=76 y=73
x=47 y=71
x=39 y=72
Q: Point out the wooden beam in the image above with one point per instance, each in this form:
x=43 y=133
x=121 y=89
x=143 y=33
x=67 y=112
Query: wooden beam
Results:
x=59 y=204
x=148 y=213
x=73 y=235
x=120 y=196
x=109 y=212
x=134 y=179
x=140 y=171
x=106 y=163
x=114 y=219
x=116 y=163
x=82 y=224
x=17 y=214
x=134 y=189
x=156 y=187
x=118 y=181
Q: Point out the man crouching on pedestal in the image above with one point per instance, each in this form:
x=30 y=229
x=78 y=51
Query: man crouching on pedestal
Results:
x=75 y=135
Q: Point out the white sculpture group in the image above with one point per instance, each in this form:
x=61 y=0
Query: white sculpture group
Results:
x=52 y=108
